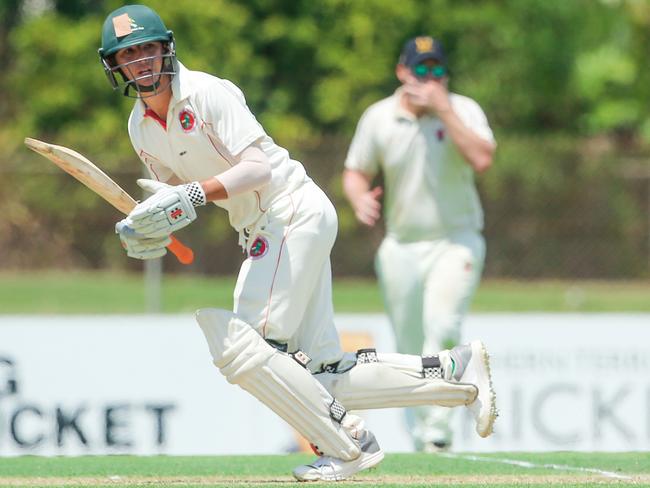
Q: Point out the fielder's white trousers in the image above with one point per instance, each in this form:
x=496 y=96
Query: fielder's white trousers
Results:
x=284 y=287
x=427 y=288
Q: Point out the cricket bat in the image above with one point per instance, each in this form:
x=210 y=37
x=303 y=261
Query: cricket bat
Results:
x=94 y=178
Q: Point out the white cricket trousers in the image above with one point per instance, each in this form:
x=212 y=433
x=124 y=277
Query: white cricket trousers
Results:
x=427 y=288
x=284 y=287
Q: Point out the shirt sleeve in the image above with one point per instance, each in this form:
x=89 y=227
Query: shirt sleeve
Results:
x=472 y=115
x=231 y=119
x=363 y=152
x=252 y=172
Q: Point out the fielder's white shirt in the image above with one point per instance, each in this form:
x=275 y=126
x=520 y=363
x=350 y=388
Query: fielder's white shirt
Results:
x=208 y=125
x=430 y=190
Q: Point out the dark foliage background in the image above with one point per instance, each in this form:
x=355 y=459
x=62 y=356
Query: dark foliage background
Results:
x=566 y=87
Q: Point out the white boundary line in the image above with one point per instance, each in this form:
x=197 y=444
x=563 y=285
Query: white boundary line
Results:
x=527 y=464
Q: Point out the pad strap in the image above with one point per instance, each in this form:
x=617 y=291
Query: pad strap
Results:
x=431 y=367
x=330 y=368
x=280 y=346
x=301 y=358
x=365 y=356
x=337 y=411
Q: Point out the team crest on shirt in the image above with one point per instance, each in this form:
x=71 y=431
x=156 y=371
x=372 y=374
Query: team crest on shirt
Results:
x=187 y=120
x=259 y=248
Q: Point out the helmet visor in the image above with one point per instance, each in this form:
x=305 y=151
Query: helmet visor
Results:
x=143 y=77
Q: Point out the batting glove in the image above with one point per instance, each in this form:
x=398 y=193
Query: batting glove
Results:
x=169 y=209
x=142 y=247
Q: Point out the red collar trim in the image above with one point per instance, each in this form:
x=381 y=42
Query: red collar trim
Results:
x=150 y=113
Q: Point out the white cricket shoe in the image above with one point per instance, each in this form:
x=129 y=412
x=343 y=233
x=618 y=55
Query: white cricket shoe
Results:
x=473 y=366
x=327 y=468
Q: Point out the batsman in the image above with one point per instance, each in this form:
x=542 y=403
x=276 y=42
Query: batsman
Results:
x=201 y=143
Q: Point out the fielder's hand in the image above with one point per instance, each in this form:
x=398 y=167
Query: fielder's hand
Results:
x=169 y=209
x=142 y=247
x=431 y=95
x=367 y=207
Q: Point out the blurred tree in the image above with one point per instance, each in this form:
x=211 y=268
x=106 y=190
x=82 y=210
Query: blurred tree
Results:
x=565 y=85
x=9 y=15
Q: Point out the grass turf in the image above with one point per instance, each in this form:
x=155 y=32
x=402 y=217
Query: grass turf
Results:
x=396 y=470
x=106 y=293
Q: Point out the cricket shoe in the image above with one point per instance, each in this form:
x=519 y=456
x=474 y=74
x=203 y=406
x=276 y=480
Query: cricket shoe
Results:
x=472 y=365
x=436 y=447
x=327 y=468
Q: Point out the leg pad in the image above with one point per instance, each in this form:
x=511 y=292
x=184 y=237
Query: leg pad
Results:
x=385 y=380
x=278 y=381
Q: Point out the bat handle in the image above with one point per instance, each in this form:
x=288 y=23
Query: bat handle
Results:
x=183 y=253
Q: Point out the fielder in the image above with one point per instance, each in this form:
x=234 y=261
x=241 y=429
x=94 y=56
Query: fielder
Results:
x=428 y=143
x=200 y=143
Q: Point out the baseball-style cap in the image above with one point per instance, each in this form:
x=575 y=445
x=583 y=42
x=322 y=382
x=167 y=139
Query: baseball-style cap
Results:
x=420 y=49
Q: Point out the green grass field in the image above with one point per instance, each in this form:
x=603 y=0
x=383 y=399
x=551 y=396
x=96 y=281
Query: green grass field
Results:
x=412 y=470
x=101 y=292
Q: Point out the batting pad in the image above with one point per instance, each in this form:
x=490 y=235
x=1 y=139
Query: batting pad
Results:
x=392 y=380
x=278 y=381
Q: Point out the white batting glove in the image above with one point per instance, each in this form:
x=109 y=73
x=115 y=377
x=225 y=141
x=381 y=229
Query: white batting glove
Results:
x=169 y=209
x=143 y=248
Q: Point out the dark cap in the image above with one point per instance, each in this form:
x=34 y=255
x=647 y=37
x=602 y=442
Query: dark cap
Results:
x=420 y=49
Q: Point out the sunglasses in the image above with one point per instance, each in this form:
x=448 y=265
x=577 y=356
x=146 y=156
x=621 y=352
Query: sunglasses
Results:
x=422 y=71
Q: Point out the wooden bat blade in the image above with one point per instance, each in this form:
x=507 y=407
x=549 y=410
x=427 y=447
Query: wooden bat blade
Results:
x=86 y=172
x=94 y=178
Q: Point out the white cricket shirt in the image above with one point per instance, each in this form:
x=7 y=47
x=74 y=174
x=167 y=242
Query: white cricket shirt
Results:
x=429 y=187
x=208 y=125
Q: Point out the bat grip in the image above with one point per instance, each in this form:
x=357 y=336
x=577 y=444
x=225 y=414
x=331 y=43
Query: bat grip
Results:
x=183 y=253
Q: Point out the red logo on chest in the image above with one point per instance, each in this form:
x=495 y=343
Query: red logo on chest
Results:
x=187 y=120
x=259 y=248
x=441 y=134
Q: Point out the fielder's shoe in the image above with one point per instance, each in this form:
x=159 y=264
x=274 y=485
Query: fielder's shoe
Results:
x=436 y=446
x=327 y=468
x=472 y=365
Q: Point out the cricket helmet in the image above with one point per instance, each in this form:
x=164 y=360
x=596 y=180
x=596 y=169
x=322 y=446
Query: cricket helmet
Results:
x=131 y=25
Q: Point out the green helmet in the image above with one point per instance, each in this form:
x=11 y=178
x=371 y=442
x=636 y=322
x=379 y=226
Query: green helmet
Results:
x=131 y=25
